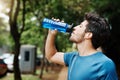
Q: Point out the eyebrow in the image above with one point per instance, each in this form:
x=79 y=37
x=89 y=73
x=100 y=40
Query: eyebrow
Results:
x=81 y=24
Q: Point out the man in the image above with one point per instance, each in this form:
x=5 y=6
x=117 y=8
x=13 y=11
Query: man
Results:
x=87 y=63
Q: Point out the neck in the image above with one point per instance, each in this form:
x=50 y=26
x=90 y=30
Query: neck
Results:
x=85 y=49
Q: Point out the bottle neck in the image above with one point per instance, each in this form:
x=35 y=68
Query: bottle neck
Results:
x=70 y=28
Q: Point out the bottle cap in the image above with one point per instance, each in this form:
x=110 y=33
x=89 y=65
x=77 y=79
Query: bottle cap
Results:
x=70 y=28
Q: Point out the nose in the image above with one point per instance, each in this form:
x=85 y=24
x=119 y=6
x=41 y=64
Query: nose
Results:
x=75 y=27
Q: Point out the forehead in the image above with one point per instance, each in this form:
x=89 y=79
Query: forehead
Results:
x=85 y=22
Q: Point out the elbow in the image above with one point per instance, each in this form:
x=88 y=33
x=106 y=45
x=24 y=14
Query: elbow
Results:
x=49 y=53
x=48 y=57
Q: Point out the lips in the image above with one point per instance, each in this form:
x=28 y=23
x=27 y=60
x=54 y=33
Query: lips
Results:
x=72 y=33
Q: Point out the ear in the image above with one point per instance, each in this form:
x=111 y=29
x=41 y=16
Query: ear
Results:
x=88 y=35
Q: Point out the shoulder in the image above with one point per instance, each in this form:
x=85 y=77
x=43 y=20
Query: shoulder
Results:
x=107 y=64
x=70 y=54
x=109 y=70
x=68 y=57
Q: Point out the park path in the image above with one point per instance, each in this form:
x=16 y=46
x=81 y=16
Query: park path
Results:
x=63 y=74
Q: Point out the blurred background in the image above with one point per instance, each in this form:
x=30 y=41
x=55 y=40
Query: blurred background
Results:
x=22 y=37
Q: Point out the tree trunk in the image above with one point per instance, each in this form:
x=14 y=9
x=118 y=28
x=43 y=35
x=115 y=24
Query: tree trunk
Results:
x=14 y=10
x=17 y=75
x=16 y=38
x=43 y=60
x=42 y=68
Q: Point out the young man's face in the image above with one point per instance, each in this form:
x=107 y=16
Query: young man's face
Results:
x=78 y=32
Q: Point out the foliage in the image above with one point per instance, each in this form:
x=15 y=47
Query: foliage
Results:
x=7 y=41
x=108 y=8
x=69 y=11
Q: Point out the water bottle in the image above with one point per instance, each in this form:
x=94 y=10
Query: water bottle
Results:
x=59 y=26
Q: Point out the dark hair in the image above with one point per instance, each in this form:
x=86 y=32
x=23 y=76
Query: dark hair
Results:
x=99 y=27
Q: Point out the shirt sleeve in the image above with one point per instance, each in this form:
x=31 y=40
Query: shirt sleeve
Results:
x=68 y=57
x=110 y=71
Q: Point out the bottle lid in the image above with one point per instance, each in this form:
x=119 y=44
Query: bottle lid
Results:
x=70 y=28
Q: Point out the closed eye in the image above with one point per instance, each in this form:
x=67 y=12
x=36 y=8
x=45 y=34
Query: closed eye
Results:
x=80 y=26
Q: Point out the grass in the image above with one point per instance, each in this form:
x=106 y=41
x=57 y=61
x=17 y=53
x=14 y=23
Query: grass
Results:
x=50 y=75
x=10 y=76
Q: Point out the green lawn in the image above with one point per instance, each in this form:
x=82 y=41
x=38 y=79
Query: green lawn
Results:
x=50 y=75
x=9 y=76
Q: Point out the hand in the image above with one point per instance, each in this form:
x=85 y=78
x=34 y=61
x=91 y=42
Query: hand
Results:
x=53 y=32
x=58 y=20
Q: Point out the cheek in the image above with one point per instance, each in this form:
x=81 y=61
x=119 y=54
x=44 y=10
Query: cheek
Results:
x=79 y=38
x=77 y=35
x=76 y=38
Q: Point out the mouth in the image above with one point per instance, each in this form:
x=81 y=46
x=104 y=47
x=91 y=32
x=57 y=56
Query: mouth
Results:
x=72 y=33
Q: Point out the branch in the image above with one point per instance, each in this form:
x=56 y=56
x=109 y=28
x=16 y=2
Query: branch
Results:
x=17 y=10
x=10 y=13
x=23 y=17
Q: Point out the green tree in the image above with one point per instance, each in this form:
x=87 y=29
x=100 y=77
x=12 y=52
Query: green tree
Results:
x=16 y=32
x=4 y=25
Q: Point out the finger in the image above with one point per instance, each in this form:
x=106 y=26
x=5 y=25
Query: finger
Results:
x=53 y=19
x=57 y=20
x=62 y=20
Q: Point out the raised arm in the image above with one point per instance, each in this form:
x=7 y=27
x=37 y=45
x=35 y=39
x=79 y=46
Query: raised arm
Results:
x=50 y=50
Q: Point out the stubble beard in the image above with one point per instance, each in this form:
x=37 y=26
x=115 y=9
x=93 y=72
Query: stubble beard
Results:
x=77 y=41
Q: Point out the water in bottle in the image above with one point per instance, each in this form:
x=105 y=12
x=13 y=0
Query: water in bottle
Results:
x=60 y=26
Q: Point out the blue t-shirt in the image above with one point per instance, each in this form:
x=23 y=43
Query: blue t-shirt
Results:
x=93 y=67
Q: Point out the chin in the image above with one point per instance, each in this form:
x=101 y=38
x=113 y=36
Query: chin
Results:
x=72 y=39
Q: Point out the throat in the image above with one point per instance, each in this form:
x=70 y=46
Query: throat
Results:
x=87 y=51
x=85 y=48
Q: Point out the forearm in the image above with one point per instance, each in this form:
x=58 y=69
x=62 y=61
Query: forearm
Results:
x=50 y=48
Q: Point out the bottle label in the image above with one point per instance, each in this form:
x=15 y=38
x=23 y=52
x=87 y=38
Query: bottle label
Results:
x=54 y=22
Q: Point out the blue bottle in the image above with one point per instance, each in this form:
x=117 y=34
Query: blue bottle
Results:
x=60 y=26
